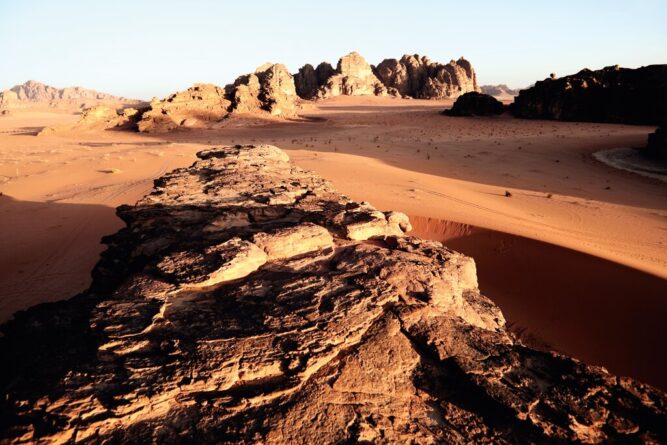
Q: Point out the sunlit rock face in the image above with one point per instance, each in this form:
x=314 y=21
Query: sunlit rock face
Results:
x=612 y=94
x=247 y=301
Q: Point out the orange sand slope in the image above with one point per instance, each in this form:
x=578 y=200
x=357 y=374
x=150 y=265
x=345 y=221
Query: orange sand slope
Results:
x=60 y=190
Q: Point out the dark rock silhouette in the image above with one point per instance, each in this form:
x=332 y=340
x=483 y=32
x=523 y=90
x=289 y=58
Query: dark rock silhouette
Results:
x=612 y=94
x=475 y=104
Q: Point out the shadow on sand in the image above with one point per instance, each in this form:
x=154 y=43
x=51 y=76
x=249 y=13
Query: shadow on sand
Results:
x=596 y=310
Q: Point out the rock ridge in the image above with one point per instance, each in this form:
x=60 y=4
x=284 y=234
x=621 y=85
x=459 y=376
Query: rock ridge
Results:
x=33 y=93
x=246 y=301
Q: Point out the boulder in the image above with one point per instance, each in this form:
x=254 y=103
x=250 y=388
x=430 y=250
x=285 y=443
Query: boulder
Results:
x=475 y=104
x=279 y=327
x=612 y=94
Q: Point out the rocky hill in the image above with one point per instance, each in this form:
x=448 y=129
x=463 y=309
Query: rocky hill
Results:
x=33 y=94
x=612 y=94
x=412 y=77
x=247 y=301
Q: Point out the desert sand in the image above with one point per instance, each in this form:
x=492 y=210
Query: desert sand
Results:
x=591 y=237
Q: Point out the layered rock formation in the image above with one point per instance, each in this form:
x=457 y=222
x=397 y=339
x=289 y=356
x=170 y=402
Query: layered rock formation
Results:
x=656 y=146
x=247 y=301
x=267 y=91
x=419 y=77
x=475 y=104
x=36 y=94
x=612 y=94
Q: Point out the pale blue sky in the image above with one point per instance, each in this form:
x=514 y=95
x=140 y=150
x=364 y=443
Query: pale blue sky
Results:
x=144 y=48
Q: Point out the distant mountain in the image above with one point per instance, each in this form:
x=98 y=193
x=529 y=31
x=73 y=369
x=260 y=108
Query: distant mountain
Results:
x=501 y=90
x=34 y=94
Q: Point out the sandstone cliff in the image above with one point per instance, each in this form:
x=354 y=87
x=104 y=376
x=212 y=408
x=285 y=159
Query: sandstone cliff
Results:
x=35 y=94
x=247 y=301
x=419 y=77
x=612 y=94
x=353 y=76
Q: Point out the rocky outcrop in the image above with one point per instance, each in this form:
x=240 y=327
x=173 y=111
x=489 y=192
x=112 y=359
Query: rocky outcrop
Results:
x=194 y=107
x=36 y=94
x=501 y=91
x=419 y=77
x=309 y=80
x=656 y=147
x=475 y=104
x=612 y=94
x=353 y=76
x=247 y=301
x=269 y=91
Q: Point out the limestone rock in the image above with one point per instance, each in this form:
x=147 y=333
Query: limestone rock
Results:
x=475 y=104
x=612 y=94
x=418 y=77
x=192 y=333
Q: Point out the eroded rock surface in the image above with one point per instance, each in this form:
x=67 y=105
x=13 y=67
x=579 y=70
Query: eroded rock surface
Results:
x=475 y=104
x=247 y=301
x=612 y=94
x=269 y=89
x=418 y=77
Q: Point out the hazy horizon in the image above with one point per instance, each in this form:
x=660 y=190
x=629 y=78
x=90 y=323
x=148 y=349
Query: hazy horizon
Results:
x=155 y=48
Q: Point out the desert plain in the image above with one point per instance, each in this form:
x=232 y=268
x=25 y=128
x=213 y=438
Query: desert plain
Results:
x=560 y=239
